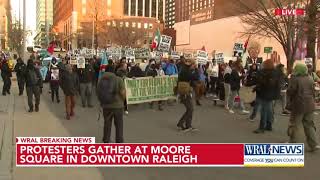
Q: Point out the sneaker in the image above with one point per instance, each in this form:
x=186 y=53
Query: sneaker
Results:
x=30 y=110
x=285 y=113
x=231 y=111
x=126 y=112
x=251 y=119
x=187 y=129
x=194 y=129
x=179 y=127
x=258 y=131
x=316 y=148
x=245 y=112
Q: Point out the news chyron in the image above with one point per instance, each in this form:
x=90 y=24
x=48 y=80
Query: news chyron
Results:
x=274 y=155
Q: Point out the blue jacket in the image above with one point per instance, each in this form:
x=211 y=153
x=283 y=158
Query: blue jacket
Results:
x=170 y=69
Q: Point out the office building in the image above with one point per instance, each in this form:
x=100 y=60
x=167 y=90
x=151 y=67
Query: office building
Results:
x=44 y=21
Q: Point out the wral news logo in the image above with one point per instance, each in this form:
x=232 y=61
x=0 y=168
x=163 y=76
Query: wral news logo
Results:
x=273 y=149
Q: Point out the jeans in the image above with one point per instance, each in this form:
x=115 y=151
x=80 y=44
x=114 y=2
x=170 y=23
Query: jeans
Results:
x=186 y=118
x=255 y=109
x=6 y=84
x=231 y=100
x=266 y=112
x=109 y=115
x=86 y=93
x=70 y=104
x=54 y=91
x=21 y=83
x=227 y=94
x=33 y=91
x=213 y=84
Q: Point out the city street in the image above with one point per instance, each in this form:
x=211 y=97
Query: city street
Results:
x=143 y=125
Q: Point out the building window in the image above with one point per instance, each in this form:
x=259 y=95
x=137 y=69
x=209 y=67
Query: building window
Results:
x=121 y=24
x=150 y=26
x=114 y=24
x=108 y=23
x=127 y=24
x=139 y=25
x=133 y=24
x=146 y=25
x=145 y=41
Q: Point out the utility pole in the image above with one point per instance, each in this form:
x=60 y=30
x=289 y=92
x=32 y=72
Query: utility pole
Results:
x=24 y=30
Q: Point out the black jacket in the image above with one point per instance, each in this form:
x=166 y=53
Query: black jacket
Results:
x=122 y=73
x=152 y=72
x=69 y=83
x=235 y=80
x=5 y=70
x=20 y=68
x=185 y=74
x=135 y=71
x=29 y=82
x=252 y=78
x=86 y=75
x=250 y=61
x=110 y=68
x=268 y=86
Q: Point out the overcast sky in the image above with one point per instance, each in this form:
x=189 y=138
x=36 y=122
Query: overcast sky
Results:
x=30 y=15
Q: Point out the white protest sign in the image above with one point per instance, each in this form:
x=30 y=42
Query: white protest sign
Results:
x=238 y=49
x=308 y=61
x=175 y=55
x=202 y=57
x=219 y=58
x=142 y=53
x=165 y=43
x=81 y=62
x=73 y=60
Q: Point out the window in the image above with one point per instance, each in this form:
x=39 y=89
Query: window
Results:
x=145 y=41
x=121 y=24
x=150 y=26
x=127 y=24
x=139 y=25
x=108 y=23
x=146 y=25
x=133 y=24
x=114 y=24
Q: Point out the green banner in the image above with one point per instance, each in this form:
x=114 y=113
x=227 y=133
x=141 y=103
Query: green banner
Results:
x=148 y=89
x=268 y=50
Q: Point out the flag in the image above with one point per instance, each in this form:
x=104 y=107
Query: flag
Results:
x=103 y=65
x=51 y=48
x=156 y=40
x=246 y=44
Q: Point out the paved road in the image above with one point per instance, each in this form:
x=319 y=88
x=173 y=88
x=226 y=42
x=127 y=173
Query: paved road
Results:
x=146 y=125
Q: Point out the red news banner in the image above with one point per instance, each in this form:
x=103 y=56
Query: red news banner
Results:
x=82 y=151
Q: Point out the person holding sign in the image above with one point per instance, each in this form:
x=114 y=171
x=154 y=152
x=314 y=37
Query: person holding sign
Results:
x=213 y=74
x=54 y=79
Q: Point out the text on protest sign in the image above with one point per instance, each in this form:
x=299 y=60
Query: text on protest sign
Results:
x=73 y=61
x=165 y=43
x=219 y=58
x=238 y=49
x=148 y=89
x=81 y=62
x=202 y=57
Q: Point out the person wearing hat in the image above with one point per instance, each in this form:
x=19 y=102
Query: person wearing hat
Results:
x=20 y=69
x=184 y=91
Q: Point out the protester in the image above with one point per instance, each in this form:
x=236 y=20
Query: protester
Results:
x=283 y=85
x=153 y=71
x=170 y=68
x=268 y=90
x=110 y=67
x=96 y=66
x=111 y=94
x=227 y=80
x=213 y=73
x=251 y=81
x=136 y=71
x=33 y=85
x=86 y=78
x=184 y=91
x=6 y=75
x=235 y=85
x=20 y=69
x=70 y=86
x=220 y=82
x=312 y=74
x=301 y=94
x=54 y=79
x=122 y=72
x=198 y=82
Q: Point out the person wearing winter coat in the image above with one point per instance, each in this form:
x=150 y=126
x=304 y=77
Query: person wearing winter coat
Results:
x=213 y=73
x=155 y=70
x=135 y=71
x=301 y=94
x=54 y=79
x=170 y=68
x=86 y=77
x=20 y=69
x=70 y=86
x=122 y=72
x=6 y=75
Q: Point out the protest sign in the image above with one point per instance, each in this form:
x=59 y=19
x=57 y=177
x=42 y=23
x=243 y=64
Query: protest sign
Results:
x=219 y=57
x=165 y=43
x=308 y=61
x=148 y=89
x=175 y=55
x=73 y=61
x=267 y=50
x=142 y=53
x=81 y=62
x=238 y=49
x=115 y=53
x=188 y=55
x=202 y=57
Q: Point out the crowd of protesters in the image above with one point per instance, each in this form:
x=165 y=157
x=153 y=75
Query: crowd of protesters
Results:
x=217 y=81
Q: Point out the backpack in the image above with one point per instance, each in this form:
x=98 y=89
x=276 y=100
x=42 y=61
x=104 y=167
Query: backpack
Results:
x=34 y=78
x=106 y=91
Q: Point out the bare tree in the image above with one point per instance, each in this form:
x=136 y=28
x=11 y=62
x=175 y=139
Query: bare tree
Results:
x=15 y=35
x=262 y=21
x=125 y=36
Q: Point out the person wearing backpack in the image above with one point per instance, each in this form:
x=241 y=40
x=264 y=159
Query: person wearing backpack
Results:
x=268 y=90
x=111 y=95
x=70 y=85
x=184 y=91
x=33 y=85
